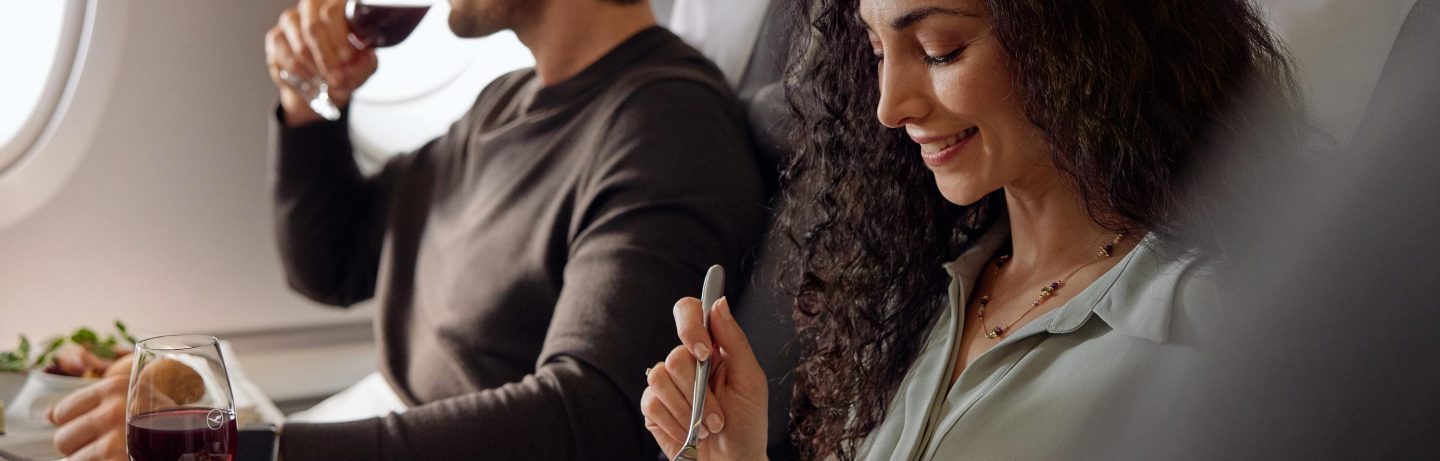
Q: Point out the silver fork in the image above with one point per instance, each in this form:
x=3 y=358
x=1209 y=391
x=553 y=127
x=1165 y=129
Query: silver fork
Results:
x=714 y=285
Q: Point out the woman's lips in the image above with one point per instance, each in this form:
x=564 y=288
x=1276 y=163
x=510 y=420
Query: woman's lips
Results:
x=939 y=153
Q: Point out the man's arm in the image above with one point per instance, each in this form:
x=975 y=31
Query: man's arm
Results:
x=674 y=190
x=329 y=217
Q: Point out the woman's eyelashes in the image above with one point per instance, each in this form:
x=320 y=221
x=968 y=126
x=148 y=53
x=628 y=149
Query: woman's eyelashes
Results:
x=930 y=60
x=943 y=59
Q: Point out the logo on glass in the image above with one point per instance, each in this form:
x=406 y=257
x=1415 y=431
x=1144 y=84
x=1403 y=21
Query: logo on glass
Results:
x=215 y=420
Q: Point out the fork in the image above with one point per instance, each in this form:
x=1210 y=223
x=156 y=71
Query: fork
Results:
x=714 y=285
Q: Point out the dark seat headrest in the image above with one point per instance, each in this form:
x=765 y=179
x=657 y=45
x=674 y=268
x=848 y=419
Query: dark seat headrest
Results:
x=770 y=123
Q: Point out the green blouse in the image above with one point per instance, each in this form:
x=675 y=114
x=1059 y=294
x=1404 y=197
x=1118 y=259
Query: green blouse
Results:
x=1086 y=376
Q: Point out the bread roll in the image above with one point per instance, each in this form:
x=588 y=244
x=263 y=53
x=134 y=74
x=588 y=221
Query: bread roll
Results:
x=174 y=379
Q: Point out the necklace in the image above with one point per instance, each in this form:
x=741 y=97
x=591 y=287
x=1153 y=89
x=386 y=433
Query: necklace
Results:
x=1045 y=292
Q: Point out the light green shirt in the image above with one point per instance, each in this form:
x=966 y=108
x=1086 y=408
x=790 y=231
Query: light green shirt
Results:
x=1095 y=373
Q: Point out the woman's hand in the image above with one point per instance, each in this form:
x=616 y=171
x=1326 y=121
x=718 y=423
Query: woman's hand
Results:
x=735 y=422
x=92 y=419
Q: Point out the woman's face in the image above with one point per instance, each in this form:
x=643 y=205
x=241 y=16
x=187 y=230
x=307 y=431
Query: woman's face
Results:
x=944 y=78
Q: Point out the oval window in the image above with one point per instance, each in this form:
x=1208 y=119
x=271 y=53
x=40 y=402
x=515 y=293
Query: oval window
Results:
x=425 y=83
x=38 y=41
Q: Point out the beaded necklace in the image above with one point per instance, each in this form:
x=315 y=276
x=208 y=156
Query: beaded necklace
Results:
x=1045 y=292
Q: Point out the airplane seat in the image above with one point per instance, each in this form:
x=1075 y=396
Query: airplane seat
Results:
x=764 y=309
x=1409 y=75
x=761 y=306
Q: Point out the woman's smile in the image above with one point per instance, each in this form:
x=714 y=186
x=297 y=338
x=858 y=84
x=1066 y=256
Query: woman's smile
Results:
x=938 y=151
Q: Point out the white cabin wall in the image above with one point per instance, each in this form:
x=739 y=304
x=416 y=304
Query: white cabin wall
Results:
x=166 y=222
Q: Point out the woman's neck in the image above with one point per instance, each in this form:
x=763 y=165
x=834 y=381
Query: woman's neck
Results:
x=1050 y=227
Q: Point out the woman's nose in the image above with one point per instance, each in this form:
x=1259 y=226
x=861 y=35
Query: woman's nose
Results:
x=901 y=99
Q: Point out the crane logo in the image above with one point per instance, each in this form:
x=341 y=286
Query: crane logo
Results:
x=215 y=419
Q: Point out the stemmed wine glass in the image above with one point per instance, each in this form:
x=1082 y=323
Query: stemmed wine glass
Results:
x=180 y=406
x=373 y=23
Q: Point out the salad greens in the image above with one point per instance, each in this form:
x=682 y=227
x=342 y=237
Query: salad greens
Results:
x=18 y=359
x=108 y=347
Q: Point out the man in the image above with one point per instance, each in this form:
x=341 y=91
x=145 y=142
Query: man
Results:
x=524 y=261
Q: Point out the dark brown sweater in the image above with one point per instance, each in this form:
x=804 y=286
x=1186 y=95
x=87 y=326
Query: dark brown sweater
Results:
x=526 y=262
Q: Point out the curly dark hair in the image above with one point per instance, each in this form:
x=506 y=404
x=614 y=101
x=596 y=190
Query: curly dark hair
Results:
x=1128 y=95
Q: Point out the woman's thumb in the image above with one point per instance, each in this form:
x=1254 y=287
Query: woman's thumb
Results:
x=728 y=335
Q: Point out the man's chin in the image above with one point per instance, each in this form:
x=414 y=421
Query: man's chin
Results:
x=469 y=26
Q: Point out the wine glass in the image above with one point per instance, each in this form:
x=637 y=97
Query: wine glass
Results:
x=180 y=406
x=373 y=23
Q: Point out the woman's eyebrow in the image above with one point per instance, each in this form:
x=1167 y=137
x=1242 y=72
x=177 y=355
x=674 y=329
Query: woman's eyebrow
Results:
x=916 y=15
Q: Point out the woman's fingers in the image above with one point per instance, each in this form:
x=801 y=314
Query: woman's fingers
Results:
x=660 y=415
x=109 y=447
x=86 y=399
x=669 y=395
x=714 y=419
x=77 y=433
x=120 y=367
x=668 y=444
x=690 y=326
x=667 y=447
x=680 y=371
x=680 y=365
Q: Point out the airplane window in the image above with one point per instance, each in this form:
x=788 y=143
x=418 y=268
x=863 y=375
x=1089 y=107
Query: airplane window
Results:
x=37 y=42
x=425 y=83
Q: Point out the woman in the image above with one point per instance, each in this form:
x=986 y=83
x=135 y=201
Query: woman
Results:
x=1041 y=153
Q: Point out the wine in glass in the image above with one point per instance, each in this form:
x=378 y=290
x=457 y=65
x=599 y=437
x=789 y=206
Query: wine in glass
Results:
x=180 y=405
x=373 y=24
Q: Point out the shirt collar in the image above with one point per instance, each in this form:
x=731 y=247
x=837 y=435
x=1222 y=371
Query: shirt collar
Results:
x=1135 y=297
x=967 y=267
x=597 y=75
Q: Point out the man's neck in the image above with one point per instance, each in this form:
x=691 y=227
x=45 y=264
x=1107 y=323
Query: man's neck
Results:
x=566 y=37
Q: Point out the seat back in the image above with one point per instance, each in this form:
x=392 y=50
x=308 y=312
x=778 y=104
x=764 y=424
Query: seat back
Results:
x=762 y=307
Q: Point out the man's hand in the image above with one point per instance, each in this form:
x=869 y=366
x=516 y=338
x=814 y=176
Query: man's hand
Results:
x=92 y=419
x=310 y=42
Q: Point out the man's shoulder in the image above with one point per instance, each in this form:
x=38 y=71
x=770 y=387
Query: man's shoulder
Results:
x=674 y=95
x=673 y=69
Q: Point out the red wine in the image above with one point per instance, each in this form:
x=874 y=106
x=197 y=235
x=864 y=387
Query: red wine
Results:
x=381 y=26
x=192 y=434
